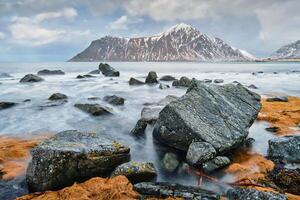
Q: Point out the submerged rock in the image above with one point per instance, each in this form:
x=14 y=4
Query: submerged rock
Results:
x=200 y=152
x=85 y=76
x=57 y=96
x=133 y=81
x=107 y=70
x=136 y=172
x=163 y=86
x=50 y=72
x=31 y=78
x=170 y=162
x=5 y=75
x=182 y=82
x=218 y=115
x=94 y=109
x=164 y=190
x=218 y=81
x=5 y=105
x=249 y=194
x=207 y=80
x=115 y=100
x=278 y=98
x=272 y=129
x=167 y=78
x=215 y=164
x=72 y=156
x=151 y=78
x=140 y=127
x=285 y=149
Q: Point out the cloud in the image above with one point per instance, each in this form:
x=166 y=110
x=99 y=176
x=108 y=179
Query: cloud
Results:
x=123 y=22
x=2 y=35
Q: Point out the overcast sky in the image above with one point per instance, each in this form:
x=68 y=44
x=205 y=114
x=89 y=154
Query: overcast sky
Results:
x=56 y=30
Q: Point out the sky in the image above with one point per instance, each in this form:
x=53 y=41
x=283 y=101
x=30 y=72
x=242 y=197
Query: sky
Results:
x=56 y=30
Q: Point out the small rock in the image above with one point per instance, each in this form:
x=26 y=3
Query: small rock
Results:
x=215 y=164
x=285 y=149
x=218 y=81
x=133 y=81
x=29 y=78
x=260 y=72
x=151 y=78
x=236 y=82
x=5 y=75
x=50 y=72
x=57 y=96
x=167 y=78
x=5 y=105
x=182 y=82
x=115 y=100
x=94 y=98
x=207 y=81
x=170 y=162
x=249 y=194
x=278 y=98
x=97 y=71
x=85 y=76
x=27 y=100
x=107 y=70
x=94 y=109
x=163 y=86
x=200 y=152
x=248 y=142
x=136 y=172
x=272 y=129
x=252 y=86
x=140 y=127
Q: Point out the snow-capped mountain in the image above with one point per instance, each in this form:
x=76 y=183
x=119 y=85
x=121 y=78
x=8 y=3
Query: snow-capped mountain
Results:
x=180 y=43
x=290 y=51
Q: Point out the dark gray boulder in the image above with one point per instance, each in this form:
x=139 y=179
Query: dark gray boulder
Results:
x=215 y=164
x=218 y=81
x=252 y=86
x=170 y=162
x=72 y=156
x=167 y=78
x=94 y=109
x=182 y=82
x=219 y=115
x=5 y=105
x=133 y=81
x=57 y=96
x=136 y=172
x=151 y=78
x=285 y=149
x=30 y=78
x=45 y=72
x=85 y=76
x=164 y=190
x=200 y=152
x=278 y=98
x=97 y=71
x=249 y=194
x=140 y=127
x=115 y=100
x=107 y=70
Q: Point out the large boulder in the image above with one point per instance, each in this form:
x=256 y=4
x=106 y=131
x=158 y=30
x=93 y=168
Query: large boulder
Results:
x=5 y=105
x=57 y=96
x=182 y=82
x=285 y=149
x=140 y=127
x=107 y=70
x=94 y=109
x=249 y=194
x=136 y=172
x=30 y=78
x=167 y=78
x=114 y=100
x=50 y=72
x=219 y=115
x=133 y=81
x=151 y=78
x=72 y=156
x=164 y=190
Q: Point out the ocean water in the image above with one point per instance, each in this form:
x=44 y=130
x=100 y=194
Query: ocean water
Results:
x=39 y=117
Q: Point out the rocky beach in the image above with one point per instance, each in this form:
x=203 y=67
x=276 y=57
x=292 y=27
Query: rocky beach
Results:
x=150 y=131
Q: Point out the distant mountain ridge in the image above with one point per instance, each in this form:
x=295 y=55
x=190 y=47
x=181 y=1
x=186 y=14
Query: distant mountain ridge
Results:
x=180 y=43
x=290 y=51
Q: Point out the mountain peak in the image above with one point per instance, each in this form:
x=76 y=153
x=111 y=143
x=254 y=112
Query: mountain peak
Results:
x=180 y=26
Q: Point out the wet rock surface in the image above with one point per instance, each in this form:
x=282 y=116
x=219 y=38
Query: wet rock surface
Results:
x=114 y=100
x=285 y=149
x=140 y=127
x=6 y=105
x=170 y=162
x=72 y=156
x=151 y=78
x=57 y=96
x=200 y=152
x=45 y=72
x=94 y=109
x=107 y=70
x=182 y=82
x=219 y=115
x=133 y=81
x=249 y=194
x=163 y=190
x=167 y=78
x=30 y=78
x=216 y=164
x=136 y=171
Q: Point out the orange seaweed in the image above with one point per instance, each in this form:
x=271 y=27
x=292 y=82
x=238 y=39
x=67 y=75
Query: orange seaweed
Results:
x=285 y=115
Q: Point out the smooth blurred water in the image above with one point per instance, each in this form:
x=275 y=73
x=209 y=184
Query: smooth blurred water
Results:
x=35 y=117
